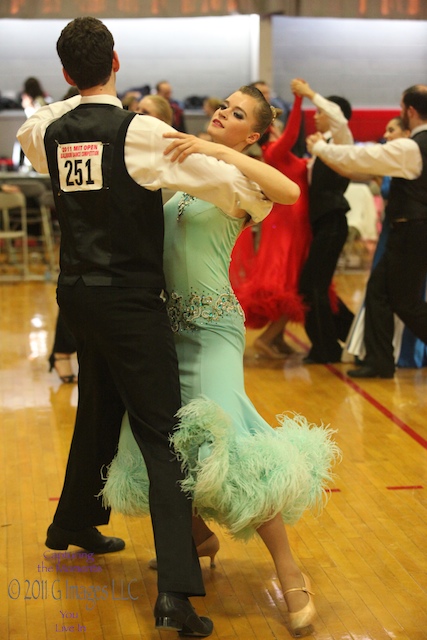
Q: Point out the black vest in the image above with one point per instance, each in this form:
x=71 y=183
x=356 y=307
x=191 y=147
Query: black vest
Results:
x=326 y=193
x=408 y=198
x=111 y=228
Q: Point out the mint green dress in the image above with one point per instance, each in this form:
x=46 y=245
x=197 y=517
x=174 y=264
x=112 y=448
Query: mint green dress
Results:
x=240 y=471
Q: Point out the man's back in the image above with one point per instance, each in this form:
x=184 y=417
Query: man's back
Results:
x=106 y=218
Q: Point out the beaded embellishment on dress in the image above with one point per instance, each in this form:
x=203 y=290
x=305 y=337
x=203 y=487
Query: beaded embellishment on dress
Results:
x=183 y=203
x=183 y=312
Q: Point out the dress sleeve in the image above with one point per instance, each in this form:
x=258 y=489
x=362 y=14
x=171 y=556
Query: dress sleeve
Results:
x=275 y=151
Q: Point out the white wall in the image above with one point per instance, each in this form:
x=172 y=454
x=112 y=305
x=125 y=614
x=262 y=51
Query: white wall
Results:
x=199 y=56
x=370 y=62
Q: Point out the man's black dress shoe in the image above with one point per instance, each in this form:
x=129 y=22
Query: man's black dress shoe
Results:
x=368 y=372
x=90 y=539
x=171 y=613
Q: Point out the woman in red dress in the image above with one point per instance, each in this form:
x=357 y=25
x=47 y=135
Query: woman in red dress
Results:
x=266 y=282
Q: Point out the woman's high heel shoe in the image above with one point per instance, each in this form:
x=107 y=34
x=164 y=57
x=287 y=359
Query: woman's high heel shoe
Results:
x=207 y=548
x=66 y=379
x=268 y=350
x=300 y=620
x=282 y=346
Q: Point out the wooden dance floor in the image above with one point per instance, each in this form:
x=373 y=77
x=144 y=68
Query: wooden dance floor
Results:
x=365 y=554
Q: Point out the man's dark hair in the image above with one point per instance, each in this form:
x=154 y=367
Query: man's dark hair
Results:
x=416 y=97
x=343 y=103
x=254 y=84
x=85 y=48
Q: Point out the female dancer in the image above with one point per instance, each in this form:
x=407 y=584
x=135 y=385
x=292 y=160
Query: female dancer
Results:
x=156 y=106
x=409 y=350
x=241 y=472
x=64 y=345
x=269 y=295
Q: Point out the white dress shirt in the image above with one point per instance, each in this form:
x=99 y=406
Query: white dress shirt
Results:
x=202 y=176
x=338 y=132
x=338 y=123
x=400 y=158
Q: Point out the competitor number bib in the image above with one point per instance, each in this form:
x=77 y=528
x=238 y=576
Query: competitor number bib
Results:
x=80 y=166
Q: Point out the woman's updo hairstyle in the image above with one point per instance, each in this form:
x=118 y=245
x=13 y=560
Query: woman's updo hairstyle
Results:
x=400 y=122
x=264 y=113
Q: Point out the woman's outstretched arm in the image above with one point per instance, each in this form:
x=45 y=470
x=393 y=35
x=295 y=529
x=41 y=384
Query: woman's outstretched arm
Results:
x=274 y=184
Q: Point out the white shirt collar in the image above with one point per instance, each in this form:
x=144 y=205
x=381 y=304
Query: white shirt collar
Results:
x=101 y=99
x=421 y=127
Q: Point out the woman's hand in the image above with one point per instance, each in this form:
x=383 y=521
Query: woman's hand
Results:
x=185 y=144
x=301 y=88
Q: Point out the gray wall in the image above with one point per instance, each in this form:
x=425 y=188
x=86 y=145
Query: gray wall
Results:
x=369 y=62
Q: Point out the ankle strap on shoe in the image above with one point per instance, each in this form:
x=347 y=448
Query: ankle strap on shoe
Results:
x=299 y=589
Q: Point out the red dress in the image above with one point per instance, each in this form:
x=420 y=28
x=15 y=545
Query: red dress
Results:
x=266 y=282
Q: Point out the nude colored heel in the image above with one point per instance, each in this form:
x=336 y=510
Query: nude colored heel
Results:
x=300 y=620
x=208 y=548
x=267 y=350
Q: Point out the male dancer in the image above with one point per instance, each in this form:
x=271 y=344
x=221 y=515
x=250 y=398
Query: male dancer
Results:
x=327 y=209
x=396 y=284
x=107 y=166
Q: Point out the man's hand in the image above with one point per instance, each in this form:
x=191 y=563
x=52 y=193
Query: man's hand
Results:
x=301 y=88
x=311 y=141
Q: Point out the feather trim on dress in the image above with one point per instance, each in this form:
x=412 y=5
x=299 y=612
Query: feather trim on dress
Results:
x=240 y=481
